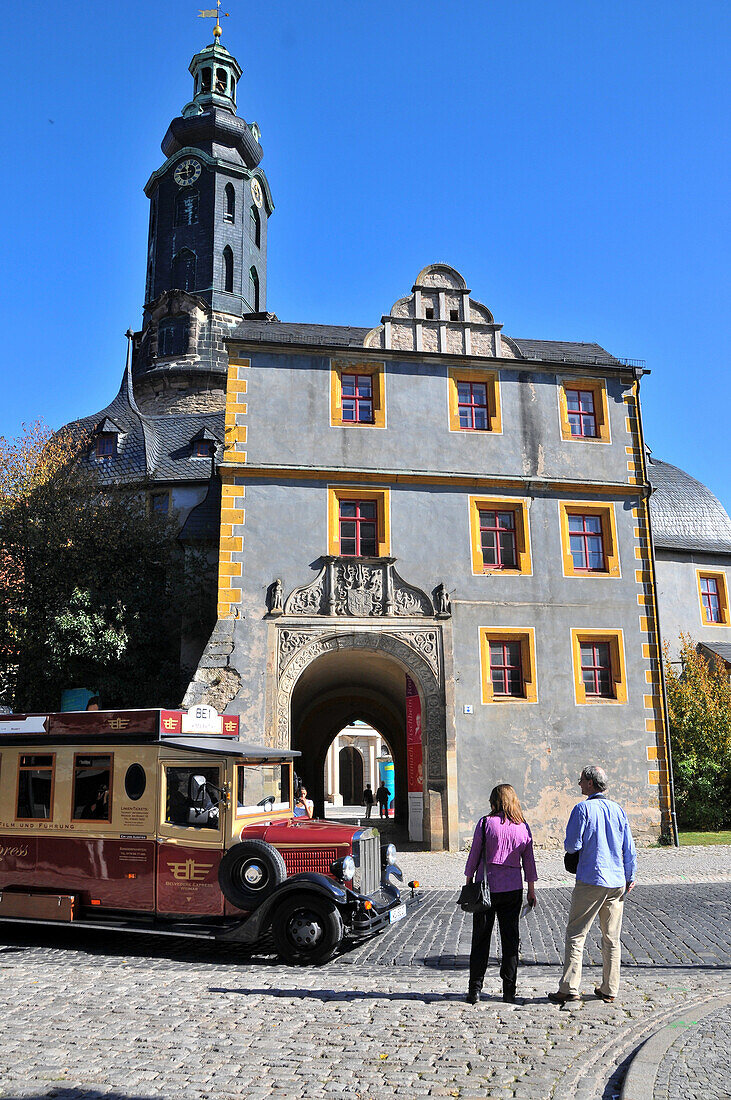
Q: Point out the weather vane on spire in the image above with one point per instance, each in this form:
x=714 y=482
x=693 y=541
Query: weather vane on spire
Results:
x=214 y=13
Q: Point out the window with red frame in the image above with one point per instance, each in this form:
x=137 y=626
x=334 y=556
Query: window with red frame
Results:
x=586 y=540
x=506 y=672
x=711 y=599
x=202 y=448
x=357 y=398
x=582 y=417
x=497 y=537
x=358 y=528
x=596 y=669
x=472 y=406
x=106 y=445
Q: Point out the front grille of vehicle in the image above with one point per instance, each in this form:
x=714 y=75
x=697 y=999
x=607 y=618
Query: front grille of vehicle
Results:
x=367 y=852
x=308 y=859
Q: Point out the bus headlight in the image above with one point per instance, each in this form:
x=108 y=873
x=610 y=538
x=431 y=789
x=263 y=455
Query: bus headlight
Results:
x=344 y=868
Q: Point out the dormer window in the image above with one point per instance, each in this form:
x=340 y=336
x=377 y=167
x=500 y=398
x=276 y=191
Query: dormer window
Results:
x=106 y=445
x=202 y=448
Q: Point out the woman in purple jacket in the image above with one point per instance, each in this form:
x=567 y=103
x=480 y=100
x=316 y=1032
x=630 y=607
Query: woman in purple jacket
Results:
x=502 y=841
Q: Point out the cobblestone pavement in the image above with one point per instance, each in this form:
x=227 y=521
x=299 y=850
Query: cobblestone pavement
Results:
x=88 y=1014
x=696 y=1065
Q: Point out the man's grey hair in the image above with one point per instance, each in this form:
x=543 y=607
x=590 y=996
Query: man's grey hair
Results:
x=596 y=775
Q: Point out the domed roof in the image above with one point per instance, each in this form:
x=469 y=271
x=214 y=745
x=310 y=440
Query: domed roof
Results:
x=685 y=514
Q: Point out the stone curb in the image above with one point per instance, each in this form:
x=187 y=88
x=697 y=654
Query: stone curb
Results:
x=639 y=1084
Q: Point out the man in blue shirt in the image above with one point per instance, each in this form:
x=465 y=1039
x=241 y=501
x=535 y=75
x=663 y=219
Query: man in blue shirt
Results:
x=599 y=831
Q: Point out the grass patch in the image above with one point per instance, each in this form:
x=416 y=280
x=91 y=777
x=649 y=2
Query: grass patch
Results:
x=687 y=837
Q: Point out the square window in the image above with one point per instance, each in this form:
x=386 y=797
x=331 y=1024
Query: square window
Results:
x=499 y=535
x=160 y=503
x=92 y=788
x=599 y=669
x=589 y=539
x=202 y=448
x=508 y=665
x=583 y=409
x=474 y=401
x=356 y=394
x=35 y=787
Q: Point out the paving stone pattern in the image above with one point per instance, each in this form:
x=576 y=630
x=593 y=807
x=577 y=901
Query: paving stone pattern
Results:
x=89 y=1014
x=696 y=1065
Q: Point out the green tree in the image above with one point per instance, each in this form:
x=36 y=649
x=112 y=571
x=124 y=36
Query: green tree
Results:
x=92 y=585
x=699 y=708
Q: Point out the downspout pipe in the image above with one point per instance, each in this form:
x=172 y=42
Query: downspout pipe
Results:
x=663 y=685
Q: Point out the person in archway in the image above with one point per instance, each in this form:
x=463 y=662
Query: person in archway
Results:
x=303 y=806
x=368 y=800
x=383 y=797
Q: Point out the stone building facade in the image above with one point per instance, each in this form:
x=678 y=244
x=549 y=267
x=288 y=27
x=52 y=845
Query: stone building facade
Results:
x=433 y=438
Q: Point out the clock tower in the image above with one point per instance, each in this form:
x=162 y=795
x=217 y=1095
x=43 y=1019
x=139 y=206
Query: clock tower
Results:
x=207 y=246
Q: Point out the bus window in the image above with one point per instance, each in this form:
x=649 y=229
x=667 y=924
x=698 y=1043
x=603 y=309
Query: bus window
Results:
x=135 y=782
x=35 y=787
x=262 y=785
x=92 y=780
x=193 y=795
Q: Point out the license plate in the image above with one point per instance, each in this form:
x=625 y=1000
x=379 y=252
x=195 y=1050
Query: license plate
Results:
x=397 y=914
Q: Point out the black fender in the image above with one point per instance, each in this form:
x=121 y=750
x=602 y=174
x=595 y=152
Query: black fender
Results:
x=388 y=870
x=307 y=882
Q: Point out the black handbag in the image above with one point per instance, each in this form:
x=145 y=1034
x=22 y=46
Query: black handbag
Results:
x=571 y=861
x=474 y=897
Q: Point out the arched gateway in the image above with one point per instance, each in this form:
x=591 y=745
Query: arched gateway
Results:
x=336 y=667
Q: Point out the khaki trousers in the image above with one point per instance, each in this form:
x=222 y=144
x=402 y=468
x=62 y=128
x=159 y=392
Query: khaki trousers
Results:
x=586 y=902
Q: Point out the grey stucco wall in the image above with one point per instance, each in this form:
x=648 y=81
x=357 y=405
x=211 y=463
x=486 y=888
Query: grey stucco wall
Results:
x=678 y=598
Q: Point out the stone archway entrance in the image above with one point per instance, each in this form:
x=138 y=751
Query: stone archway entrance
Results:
x=330 y=675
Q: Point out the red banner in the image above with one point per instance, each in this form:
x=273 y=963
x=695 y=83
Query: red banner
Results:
x=414 y=750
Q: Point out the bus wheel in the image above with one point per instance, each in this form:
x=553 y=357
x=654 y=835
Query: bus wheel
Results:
x=307 y=930
x=249 y=872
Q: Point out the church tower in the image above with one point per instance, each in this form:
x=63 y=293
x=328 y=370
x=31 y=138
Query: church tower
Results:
x=207 y=246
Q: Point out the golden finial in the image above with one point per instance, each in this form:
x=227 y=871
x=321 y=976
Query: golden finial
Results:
x=214 y=13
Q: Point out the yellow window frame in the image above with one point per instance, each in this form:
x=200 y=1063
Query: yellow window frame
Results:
x=526 y=637
x=720 y=578
x=609 y=537
x=519 y=507
x=339 y=367
x=491 y=380
x=615 y=638
x=382 y=498
x=598 y=387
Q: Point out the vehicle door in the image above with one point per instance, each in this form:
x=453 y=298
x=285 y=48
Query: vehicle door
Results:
x=191 y=835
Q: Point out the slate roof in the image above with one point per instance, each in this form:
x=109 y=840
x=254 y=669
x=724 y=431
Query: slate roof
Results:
x=565 y=351
x=154 y=447
x=721 y=649
x=685 y=514
x=281 y=332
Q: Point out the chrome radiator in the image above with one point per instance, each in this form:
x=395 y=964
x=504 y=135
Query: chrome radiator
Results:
x=367 y=856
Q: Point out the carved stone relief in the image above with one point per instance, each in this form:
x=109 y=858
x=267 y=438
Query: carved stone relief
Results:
x=347 y=587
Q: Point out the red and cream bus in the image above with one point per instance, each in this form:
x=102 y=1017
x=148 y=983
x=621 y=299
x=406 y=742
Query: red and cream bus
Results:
x=165 y=821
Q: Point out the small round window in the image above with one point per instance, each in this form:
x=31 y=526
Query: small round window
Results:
x=135 y=781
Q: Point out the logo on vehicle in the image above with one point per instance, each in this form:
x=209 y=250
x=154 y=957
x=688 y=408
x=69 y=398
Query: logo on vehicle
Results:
x=190 y=871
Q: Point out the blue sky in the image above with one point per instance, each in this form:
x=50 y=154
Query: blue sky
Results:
x=570 y=158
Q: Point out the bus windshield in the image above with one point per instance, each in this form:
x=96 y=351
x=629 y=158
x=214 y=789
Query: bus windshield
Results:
x=261 y=786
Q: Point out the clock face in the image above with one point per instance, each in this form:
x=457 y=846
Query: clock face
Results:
x=187 y=172
x=256 y=192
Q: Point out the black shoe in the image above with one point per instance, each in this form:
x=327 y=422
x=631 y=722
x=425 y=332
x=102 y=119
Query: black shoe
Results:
x=562 y=998
x=509 y=993
x=603 y=996
x=473 y=993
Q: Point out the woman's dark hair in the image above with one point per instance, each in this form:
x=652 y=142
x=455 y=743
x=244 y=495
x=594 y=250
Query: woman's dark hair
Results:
x=504 y=801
